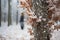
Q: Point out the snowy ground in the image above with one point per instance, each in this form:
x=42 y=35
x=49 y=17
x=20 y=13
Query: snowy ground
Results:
x=56 y=35
x=14 y=32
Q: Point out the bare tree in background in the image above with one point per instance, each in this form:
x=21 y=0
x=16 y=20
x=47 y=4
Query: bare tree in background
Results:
x=17 y=17
x=4 y=17
x=9 y=13
x=4 y=12
x=0 y=12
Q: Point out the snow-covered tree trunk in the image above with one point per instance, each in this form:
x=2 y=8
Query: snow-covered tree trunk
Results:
x=9 y=13
x=41 y=32
x=0 y=12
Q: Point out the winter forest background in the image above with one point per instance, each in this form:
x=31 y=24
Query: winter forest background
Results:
x=41 y=19
x=14 y=11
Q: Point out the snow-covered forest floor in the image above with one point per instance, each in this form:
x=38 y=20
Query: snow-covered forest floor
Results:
x=14 y=32
x=55 y=35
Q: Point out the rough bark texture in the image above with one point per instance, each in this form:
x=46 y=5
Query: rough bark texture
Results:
x=41 y=32
x=9 y=13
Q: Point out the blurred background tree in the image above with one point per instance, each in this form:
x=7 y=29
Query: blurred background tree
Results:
x=17 y=17
x=9 y=13
x=0 y=12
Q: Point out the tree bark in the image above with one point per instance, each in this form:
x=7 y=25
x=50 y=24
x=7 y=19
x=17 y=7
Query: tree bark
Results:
x=40 y=9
